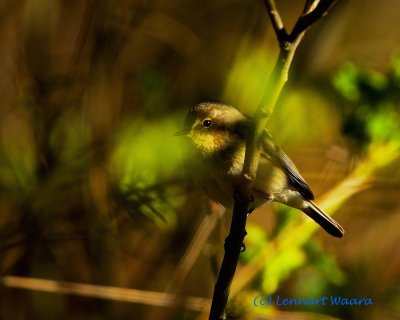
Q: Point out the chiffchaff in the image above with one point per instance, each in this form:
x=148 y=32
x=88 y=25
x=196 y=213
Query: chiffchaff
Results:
x=218 y=136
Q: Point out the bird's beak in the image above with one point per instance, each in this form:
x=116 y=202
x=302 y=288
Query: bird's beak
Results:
x=183 y=132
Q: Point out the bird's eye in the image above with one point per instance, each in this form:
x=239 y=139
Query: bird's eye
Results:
x=207 y=123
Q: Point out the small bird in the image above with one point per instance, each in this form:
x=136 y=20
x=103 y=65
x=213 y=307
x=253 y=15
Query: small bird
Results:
x=218 y=135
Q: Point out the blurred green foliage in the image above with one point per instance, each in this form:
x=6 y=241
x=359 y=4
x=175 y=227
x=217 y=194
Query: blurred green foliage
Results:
x=17 y=161
x=135 y=161
x=252 y=63
x=146 y=161
x=370 y=102
x=245 y=86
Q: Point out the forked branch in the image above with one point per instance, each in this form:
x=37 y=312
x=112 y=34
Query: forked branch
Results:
x=310 y=16
x=313 y=11
x=288 y=43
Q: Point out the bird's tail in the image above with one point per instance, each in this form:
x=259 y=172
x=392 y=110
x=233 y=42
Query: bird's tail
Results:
x=326 y=222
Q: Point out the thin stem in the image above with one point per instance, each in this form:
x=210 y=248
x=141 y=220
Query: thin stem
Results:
x=308 y=6
x=266 y=107
x=276 y=21
x=307 y=19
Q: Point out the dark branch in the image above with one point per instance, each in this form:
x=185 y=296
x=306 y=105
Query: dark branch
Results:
x=276 y=21
x=233 y=247
x=307 y=6
x=309 y=18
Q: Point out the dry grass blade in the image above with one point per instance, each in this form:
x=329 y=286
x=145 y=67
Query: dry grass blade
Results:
x=103 y=292
x=196 y=246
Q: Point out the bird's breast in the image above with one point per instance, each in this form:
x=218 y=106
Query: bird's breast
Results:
x=222 y=173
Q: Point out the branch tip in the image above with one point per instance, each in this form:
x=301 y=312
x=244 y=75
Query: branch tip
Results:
x=313 y=11
x=278 y=19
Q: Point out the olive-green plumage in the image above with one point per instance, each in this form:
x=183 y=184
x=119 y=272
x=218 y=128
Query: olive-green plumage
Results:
x=218 y=135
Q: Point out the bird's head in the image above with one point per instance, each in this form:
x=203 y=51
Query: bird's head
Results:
x=213 y=127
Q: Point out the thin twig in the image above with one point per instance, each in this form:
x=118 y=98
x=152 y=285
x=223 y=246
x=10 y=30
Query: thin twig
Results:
x=276 y=21
x=308 y=6
x=288 y=45
x=306 y=20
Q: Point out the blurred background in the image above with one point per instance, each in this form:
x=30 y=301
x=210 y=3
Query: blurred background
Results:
x=93 y=186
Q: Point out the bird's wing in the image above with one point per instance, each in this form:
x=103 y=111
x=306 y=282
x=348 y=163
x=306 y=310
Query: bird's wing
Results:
x=279 y=158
